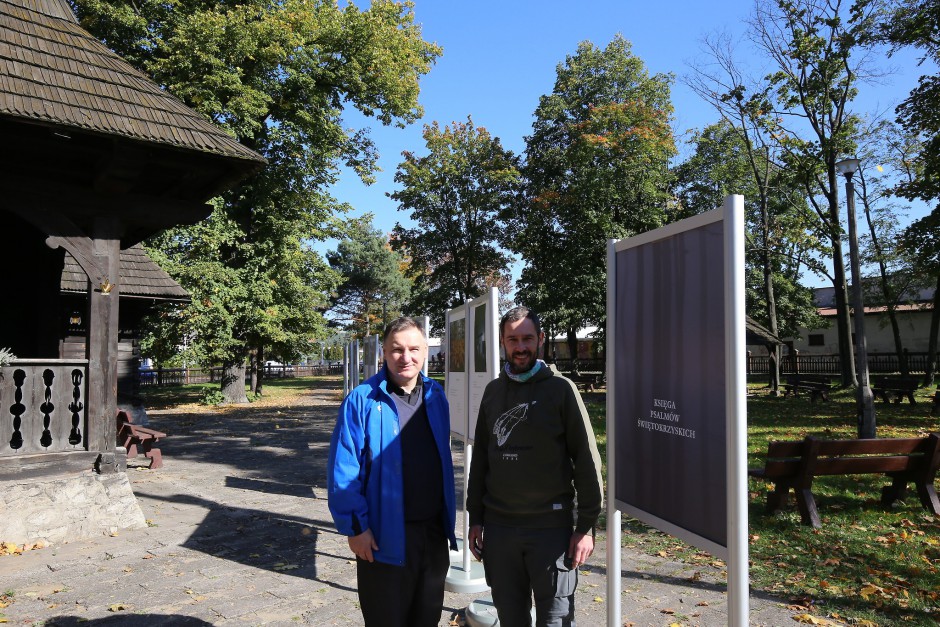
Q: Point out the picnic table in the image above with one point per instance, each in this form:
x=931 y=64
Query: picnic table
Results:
x=898 y=388
x=818 y=385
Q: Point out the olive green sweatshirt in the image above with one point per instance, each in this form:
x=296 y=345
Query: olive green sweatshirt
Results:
x=534 y=452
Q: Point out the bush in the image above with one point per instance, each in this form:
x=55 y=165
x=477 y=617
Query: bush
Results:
x=213 y=397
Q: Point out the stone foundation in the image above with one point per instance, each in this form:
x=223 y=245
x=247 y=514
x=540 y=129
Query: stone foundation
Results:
x=64 y=508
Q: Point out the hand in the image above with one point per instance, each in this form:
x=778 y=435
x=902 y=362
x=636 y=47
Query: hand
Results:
x=475 y=538
x=580 y=548
x=363 y=545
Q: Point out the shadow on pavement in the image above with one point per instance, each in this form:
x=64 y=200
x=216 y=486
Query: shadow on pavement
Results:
x=127 y=620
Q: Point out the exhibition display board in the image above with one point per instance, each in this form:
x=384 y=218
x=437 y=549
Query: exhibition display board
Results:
x=371 y=356
x=455 y=368
x=471 y=358
x=472 y=361
x=675 y=416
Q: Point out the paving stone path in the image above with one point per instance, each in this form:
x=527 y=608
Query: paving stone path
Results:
x=240 y=534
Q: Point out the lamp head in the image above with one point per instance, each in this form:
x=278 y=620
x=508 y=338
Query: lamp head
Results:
x=848 y=167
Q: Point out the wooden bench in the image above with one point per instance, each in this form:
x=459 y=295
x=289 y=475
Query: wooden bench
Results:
x=818 y=385
x=795 y=465
x=899 y=388
x=587 y=382
x=130 y=436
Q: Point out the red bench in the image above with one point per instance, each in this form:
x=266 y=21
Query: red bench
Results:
x=132 y=436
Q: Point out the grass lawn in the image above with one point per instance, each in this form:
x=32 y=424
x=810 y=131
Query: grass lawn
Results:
x=275 y=390
x=864 y=564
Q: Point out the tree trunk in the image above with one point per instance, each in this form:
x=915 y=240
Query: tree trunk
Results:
x=771 y=299
x=934 y=332
x=898 y=344
x=259 y=385
x=253 y=371
x=846 y=352
x=233 y=383
x=572 y=339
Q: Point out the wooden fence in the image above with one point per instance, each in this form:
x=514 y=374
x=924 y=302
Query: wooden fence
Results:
x=180 y=376
x=880 y=363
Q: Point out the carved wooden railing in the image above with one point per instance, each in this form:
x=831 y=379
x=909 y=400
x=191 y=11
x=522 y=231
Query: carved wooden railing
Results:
x=42 y=406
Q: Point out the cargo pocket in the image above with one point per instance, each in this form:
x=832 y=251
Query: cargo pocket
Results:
x=566 y=578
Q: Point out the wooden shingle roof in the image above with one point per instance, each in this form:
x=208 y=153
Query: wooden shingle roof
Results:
x=758 y=334
x=140 y=277
x=52 y=71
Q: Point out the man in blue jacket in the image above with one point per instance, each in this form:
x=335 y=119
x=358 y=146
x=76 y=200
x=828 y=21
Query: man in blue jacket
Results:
x=390 y=481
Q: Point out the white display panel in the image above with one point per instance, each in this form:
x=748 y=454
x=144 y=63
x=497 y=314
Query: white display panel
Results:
x=483 y=358
x=455 y=369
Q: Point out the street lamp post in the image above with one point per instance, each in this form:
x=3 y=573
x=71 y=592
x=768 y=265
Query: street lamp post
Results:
x=865 y=399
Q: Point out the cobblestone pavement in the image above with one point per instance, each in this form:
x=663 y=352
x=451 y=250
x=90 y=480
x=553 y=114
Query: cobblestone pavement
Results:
x=239 y=534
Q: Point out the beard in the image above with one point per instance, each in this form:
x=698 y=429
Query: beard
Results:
x=521 y=362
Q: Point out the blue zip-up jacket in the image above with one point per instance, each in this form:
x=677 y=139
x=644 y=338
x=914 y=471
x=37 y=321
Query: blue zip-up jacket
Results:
x=364 y=474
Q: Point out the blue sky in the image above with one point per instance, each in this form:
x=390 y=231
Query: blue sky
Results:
x=500 y=57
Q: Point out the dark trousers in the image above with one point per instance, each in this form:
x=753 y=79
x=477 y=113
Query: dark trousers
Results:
x=411 y=595
x=522 y=563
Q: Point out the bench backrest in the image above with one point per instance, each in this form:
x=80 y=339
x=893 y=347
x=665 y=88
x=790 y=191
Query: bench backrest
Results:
x=840 y=457
x=897 y=380
x=810 y=378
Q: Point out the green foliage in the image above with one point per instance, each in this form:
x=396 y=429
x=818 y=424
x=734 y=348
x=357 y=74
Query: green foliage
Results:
x=373 y=287
x=213 y=397
x=921 y=240
x=916 y=23
x=726 y=161
x=719 y=166
x=596 y=168
x=455 y=193
x=276 y=76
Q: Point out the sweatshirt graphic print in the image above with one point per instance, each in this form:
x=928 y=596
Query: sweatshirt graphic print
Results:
x=504 y=425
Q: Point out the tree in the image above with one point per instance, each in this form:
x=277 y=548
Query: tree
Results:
x=917 y=23
x=733 y=159
x=883 y=150
x=455 y=193
x=373 y=285
x=805 y=106
x=276 y=76
x=597 y=167
x=921 y=240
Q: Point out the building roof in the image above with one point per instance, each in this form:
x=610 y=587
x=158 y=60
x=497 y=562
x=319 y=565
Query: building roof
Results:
x=140 y=277
x=830 y=312
x=52 y=71
x=756 y=333
x=825 y=297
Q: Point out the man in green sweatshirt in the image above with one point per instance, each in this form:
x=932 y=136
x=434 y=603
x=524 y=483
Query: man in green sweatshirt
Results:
x=534 y=456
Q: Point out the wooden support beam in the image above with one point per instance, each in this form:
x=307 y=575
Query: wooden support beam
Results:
x=102 y=345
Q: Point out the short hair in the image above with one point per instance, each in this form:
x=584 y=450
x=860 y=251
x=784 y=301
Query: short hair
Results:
x=519 y=313
x=401 y=324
